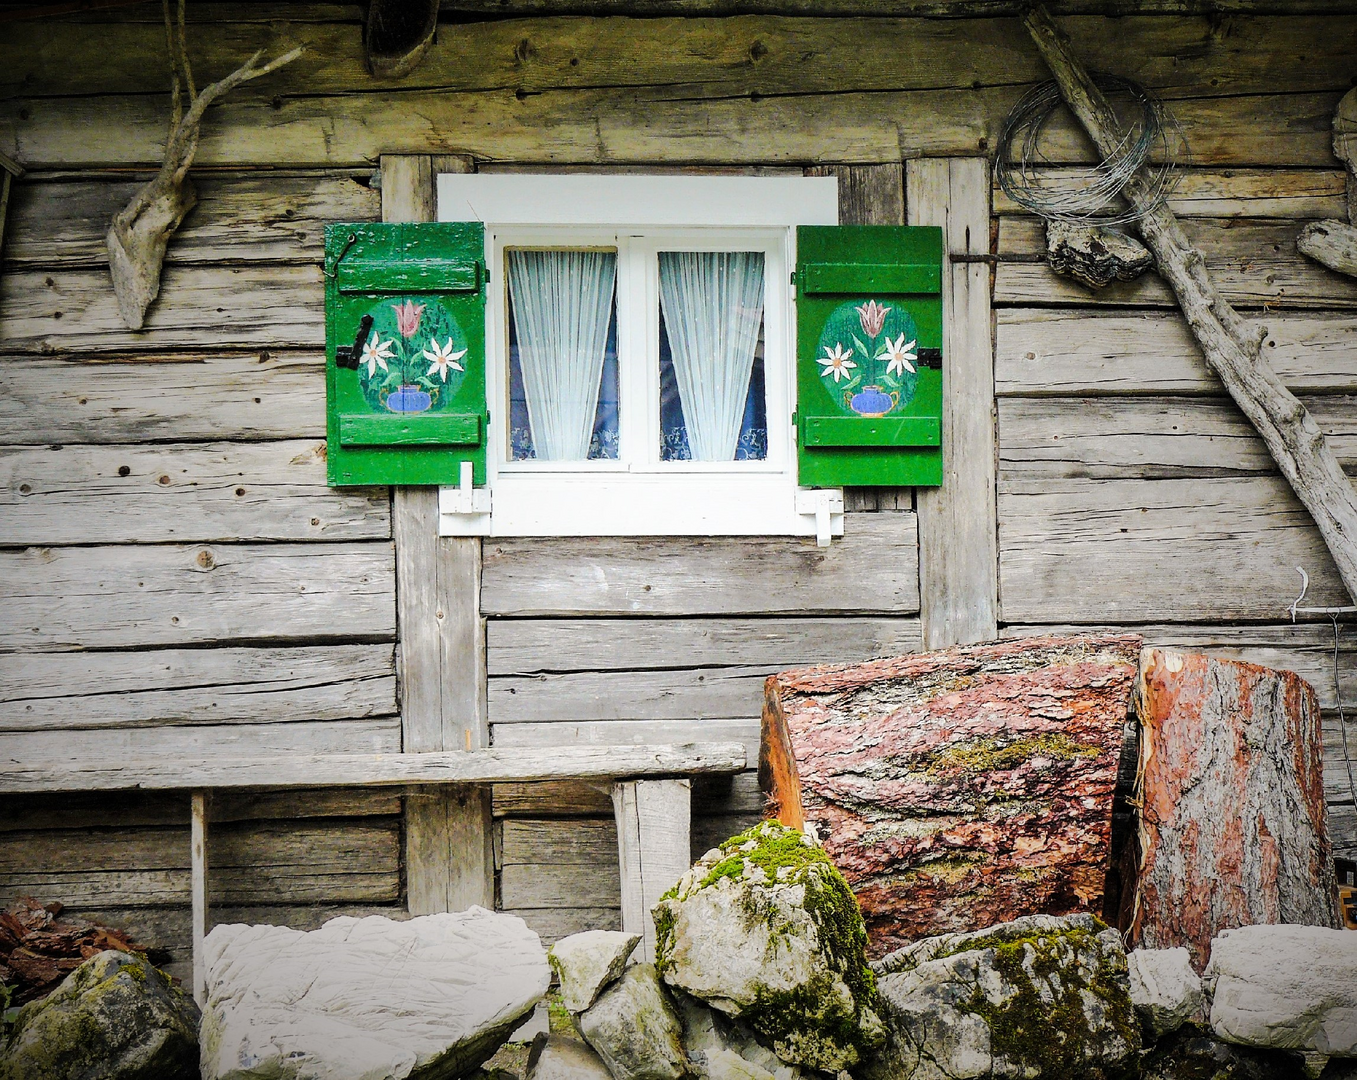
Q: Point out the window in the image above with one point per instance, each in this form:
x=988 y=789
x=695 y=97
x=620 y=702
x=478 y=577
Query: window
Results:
x=639 y=353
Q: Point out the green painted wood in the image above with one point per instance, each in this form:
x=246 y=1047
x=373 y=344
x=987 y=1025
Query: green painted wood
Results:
x=869 y=304
x=410 y=407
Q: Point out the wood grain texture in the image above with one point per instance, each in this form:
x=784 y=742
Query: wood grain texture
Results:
x=1233 y=818
x=201 y=395
x=1057 y=352
x=1332 y=243
x=626 y=733
x=654 y=819
x=712 y=796
x=124 y=596
x=552 y=924
x=197 y=687
x=956 y=789
x=63 y=494
x=701 y=693
x=1212 y=549
x=562 y=885
x=728 y=576
x=958 y=560
x=954 y=8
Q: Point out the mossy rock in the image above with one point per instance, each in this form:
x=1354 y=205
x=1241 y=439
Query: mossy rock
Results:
x=765 y=930
x=115 y=1017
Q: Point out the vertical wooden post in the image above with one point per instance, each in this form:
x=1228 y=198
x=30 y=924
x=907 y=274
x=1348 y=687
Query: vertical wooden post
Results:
x=654 y=819
x=958 y=542
x=448 y=856
x=198 y=886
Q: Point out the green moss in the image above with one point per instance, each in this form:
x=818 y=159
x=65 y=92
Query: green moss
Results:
x=989 y=755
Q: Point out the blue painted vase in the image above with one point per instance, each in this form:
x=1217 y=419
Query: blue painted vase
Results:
x=872 y=401
x=408 y=399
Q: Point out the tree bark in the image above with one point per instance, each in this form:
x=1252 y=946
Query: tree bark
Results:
x=1231 y=346
x=956 y=789
x=1232 y=802
x=1333 y=243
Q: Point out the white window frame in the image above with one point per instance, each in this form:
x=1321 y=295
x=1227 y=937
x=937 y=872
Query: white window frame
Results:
x=641 y=215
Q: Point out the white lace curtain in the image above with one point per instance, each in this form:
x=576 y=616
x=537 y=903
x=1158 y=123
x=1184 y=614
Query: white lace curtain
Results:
x=562 y=303
x=713 y=308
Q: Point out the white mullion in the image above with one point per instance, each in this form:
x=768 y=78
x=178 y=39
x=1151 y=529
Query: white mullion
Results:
x=630 y=352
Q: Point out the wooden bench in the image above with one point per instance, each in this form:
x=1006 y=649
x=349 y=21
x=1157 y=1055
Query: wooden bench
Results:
x=650 y=786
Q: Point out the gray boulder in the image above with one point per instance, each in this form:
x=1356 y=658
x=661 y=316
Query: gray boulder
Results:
x=587 y=963
x=430 y=998
x=712 y=1041
x=1165 y=990
x=634 y=1029
x=1043 y=996
x=556 y=1057
x=765 y=930
x=1286 y=987
x=115 y=1017
x=1194 y=1053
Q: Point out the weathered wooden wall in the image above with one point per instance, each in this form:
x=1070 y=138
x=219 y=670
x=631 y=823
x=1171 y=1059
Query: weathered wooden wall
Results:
x=176 y=574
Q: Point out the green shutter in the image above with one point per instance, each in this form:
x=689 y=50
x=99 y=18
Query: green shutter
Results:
x=869 y=355
x=408 y=407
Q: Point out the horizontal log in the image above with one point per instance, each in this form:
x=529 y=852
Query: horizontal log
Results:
x=250 y=217
x=199 y=396
x=312 y=770
x=129 y=596
x=1331 y=242
x=558 y=842
x=63 y=494
x=707 y=57
x=552 y=924
x=1340 y=759
x=532 y=646
x=378 y=735
x=712 y=795
x=627 y=732
x=1229 y=193
x=1157 y=550
x=1343 y=830
x=555 y=885
x=1149 y=437
x=82 y=690
x=64 y=311
x=843 y=8
x=1253 y=263
x=688 y=694
x=1055 y=352
x=710 y=832
x=623 y=576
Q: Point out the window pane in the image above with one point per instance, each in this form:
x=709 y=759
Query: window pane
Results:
x=712 y=404
x=563 y=383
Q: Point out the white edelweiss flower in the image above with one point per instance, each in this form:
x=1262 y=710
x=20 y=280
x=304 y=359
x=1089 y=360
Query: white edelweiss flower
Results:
x=376 y=354
x=898 y=355
x=836 y=362
x=442 y=357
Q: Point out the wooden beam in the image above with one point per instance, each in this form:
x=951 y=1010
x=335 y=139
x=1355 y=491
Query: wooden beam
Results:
x=958 y=538
x=198 y=875
x=397 y=34
x=654 y=819
x=1231 y=345
x=510 y=766
x=1333 y=243
x=515 y=9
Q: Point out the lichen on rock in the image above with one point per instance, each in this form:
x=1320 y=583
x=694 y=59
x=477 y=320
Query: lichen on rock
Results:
x=766 y=930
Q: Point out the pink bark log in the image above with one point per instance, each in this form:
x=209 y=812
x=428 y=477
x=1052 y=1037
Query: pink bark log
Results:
x=961 y=788
x=1233 y=828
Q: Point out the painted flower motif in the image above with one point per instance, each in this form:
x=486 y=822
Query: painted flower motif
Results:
x=836 y=362
x=873 y=317
x=407 y=317
x=441 y=357
x=898 y=354
x=376 y=354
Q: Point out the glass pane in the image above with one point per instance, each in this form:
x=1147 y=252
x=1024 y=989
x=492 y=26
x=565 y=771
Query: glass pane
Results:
x=712 y=405
x=563 y=381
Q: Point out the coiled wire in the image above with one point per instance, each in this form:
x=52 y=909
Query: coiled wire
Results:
x=1154 y=139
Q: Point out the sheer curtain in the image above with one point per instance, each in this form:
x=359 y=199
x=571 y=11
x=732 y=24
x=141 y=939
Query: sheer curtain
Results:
x=562 y=303
x=712 y=303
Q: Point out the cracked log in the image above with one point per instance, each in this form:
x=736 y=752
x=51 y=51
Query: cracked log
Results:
x=961 y=788
x=1333 y=243
x=1232 y=796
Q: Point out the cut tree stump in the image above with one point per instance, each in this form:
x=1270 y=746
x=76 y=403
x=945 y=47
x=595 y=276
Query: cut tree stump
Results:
x=956 y=789
x=1232 y=795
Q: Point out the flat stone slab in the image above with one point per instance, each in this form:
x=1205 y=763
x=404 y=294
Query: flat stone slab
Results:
x=368 y=999
x=589 y=962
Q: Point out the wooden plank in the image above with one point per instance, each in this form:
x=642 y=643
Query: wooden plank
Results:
x=322 y=770
x=845 y=8
x=561 y=885
x=1340 y=759
x=198 y=888
x=710 y=832
x=653 y=848
x=552 y=924
x=1343 y=830
x=712 y=796
x=531 y=646
x=1254 y=263
x=1149 y=437
x=166 y=492
x=636 y=733
x=1158 y=550
x=201 y=396
x=125 y=596
x=1055 y=352
x=197 y=687
x=560 y=842
x=726 y=576
x=708 y=693
x=380 y=735
x=958 y=562
x=64 y=311
x=241 y=217
x=1230 y=193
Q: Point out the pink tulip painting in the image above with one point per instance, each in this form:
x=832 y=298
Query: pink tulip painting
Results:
x=407 y=317
x=873 y=317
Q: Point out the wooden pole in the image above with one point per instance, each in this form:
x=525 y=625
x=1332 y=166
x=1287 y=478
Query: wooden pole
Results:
x=1231 y=345
x=198 y=876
